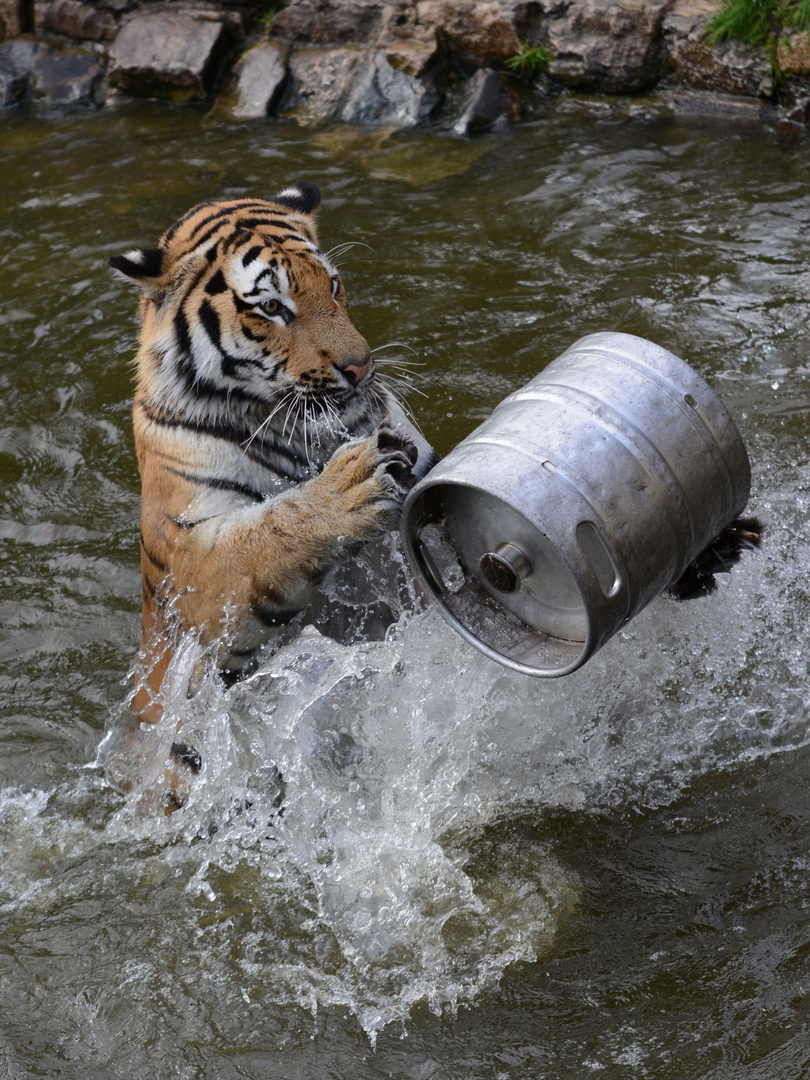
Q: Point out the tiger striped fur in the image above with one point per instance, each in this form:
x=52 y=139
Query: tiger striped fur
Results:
x=268 y=448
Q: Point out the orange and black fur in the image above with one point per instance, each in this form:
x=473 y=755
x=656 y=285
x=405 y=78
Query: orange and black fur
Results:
x=269 y=449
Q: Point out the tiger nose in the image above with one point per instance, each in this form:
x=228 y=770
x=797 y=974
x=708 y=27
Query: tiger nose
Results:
x=354 y=372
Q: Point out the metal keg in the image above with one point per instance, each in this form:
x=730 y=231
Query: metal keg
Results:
x=579 y=500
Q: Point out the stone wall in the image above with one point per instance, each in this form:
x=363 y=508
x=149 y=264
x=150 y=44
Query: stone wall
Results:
x=396 y=63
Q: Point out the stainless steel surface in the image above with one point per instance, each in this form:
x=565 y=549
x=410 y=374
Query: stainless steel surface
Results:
x=579 y=500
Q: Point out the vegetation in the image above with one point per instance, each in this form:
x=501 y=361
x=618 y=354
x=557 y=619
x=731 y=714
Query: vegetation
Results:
x=265 y=20
x=533 y=61
x=758 y=22
x=762 y=24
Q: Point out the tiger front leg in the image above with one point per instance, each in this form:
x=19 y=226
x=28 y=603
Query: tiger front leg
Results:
x=238 y=575
x=254 y=568
x=357 y=497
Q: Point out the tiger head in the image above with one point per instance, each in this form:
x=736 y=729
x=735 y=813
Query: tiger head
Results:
x=243 y=314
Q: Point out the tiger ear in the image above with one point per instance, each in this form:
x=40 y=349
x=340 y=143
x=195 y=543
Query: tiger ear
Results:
x=141 y=267
x=301 y=196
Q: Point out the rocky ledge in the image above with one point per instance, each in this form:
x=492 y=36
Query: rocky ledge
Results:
x=464 y=65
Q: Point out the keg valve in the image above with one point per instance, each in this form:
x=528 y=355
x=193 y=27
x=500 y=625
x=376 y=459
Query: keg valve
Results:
x=505 y=568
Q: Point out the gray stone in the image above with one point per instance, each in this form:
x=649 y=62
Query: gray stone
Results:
x=74 y=19
x=169 y=54
x=800 y=113
x=486 y=104
x=722 y=109
x=607 y=45
x=69 y=78
x=256 y=83
x=318 y=81
x=795 y=120
x=594 y=108
x=648 y=112
x=16 y=66
x=13 y=86
x=380 y=94
x=334 y=22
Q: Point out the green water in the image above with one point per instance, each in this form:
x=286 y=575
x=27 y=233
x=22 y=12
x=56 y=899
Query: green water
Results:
x=608 y=876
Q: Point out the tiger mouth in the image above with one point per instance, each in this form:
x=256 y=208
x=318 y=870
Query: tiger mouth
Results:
x=327 y=397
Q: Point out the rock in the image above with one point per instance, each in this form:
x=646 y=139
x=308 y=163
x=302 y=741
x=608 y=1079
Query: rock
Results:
x=256 y=82
x=648 y=112
x=318 y=81
x=335 y=22
x=793 y=55
x=593 y=108
x=13 y=85
x=16 y=66
x=69 y=78
x=169 y=54
x=380 y=94
x=357 y=86
x=607 y=45
x=800 y=113
x=478 y=34
x=708 y=108
x=12 y=18
x=729 y=68
x=410 y=47
x=74 y=19
x=796 y=120
x=486 y=104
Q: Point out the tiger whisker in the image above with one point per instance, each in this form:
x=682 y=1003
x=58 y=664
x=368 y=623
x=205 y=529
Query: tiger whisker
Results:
x=340 y=249
x=266 y=421
x=392 y=382
x=393 y=361
x=292 y=408
x=307 y=421
x=395 y=345
x=405 y=370
x=406 y=408
x=331 y=416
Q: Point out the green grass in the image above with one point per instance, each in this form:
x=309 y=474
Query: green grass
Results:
x=533 y=61
x=759 y=23
x=265 y=20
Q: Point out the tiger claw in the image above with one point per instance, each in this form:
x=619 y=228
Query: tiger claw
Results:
x=390 y=441
x=185 y=755
x=402 y=474
x=401 y=454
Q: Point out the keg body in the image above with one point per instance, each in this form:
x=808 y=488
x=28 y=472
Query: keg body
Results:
x=579 y=500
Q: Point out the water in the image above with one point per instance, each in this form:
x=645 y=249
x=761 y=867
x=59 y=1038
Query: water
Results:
x=474 y=873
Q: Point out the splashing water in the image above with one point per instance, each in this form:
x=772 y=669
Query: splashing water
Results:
x=336 y=847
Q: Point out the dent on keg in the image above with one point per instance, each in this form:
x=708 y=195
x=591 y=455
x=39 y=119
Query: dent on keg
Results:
x=579 y=500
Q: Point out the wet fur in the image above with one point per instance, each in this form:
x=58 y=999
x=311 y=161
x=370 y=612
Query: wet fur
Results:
x=268 y=449
x=724 y=552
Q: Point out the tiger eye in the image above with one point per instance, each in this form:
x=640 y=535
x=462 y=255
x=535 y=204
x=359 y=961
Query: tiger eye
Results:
x=270 y=307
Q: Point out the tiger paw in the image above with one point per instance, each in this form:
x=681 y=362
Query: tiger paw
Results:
x=185 y=761
x=379 y=467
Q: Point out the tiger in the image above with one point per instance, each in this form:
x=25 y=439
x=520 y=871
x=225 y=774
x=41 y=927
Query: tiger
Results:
x=269 y=449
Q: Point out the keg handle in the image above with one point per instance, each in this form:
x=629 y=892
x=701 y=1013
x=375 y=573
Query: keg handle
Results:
x=439 y=558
